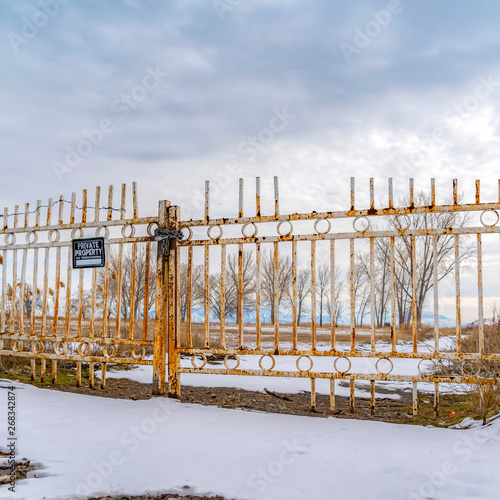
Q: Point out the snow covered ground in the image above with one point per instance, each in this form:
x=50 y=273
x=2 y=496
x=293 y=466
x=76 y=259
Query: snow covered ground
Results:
x=92 y=445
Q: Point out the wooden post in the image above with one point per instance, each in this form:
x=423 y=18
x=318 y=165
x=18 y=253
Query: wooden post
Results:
x=160 y=341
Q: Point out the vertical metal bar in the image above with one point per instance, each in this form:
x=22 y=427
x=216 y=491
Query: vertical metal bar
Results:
x=436 y=399
x=415 y=398
x=240 y=197
x=160 y=339
x=257 y=295
x=34 y=290
x=207 y=296
x=276 y=285
x=133 y=286
x=333 y=305
x=257 y=196
x=110 y=203
x=412 y=192
x=69 y=273
x=313 y=394
x=351 y=396
x=4 y=275
x=240 y=295
x=433 y=192
x=480 y=293
x=436 y=292
x=332 y=395
x=120 y=270
x=478 y=191
x=457 y=295
x=222 y=295
x=81 y=275
x=189 y=297
x=313 y=294
x=372 y=397
x=353 y=297
x=372 y=194
x=294 y=294
x=78 y=373
x=45 y=291
x=372 y=293
x=393 y=296
x=105 y=306
x=14 y=278
x=353 y=199
x=22 y=289
x=147 y=272
x=103 y=375
x=91 y=376
x=391 y=193
x=413 y=294
x=207 y=200
x=122 y=208
x=57 y=285
x=455 y=191
x=134 y=200
x=276 y=197
x=174 y=388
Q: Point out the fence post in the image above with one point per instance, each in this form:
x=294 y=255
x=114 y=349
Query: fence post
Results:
x=174 y=386
x=160 y=340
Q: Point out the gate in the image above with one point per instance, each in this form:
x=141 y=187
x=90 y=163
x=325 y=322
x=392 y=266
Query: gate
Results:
x=225 y=296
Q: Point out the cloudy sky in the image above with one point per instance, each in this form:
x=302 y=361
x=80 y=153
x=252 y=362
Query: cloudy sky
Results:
x=171 y=93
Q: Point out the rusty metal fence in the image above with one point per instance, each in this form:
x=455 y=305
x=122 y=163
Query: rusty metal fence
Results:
x=225 y=296
x=404 y=228
x=52 y=312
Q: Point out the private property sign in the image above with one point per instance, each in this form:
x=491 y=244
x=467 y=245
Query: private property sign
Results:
x=88 y=252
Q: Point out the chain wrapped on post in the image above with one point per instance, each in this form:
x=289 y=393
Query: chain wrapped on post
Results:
x=163 y=237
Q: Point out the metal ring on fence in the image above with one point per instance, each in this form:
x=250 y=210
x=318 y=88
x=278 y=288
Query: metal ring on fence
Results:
x=36 y=347
x=141 y=354
x=80 y=349
x=17 y=345
x=407 y=220
x=31 y=237
x=384 y=359
x=317 y=221
x=193 y=361
x=359 y=219
x=310 y=364
x=189 y=236
x=80 y=233
x=471 y=373
x=261 y=365
x=60 y=348
x=237 y=359
x=335 y=365
x=434 y=367
x=487 y=212
x=54 y=235
x=150 y=229
x=279 y=226
x=106 y=353
x=10 y=239
x=98 y=231
x=255 y=230
x=209 y=232
x=124 y=230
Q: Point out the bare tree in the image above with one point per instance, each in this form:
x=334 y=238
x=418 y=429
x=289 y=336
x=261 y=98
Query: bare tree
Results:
x=322 y=286
x=339 y=305
x=423 y=265
x=197 y=287
x=247 y=260
x=284 y=276
x=215 y=297
x=303 y=290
